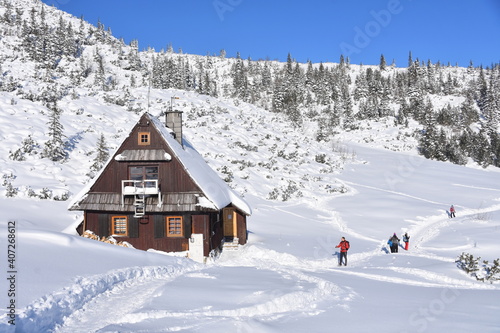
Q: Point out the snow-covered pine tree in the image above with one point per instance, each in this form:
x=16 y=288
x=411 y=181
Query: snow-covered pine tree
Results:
x=101 y=156
x=54 y=147
x=240 y=79
x=383 y=64
x=494 y=271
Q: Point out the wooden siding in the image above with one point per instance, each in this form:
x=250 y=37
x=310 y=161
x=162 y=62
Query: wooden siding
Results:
x=201 y=225
x=141 y=231
x=171 y=202
x=241 y=222
x=172 y=175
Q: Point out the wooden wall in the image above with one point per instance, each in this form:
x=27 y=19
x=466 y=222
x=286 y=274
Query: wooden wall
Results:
x=201 y=225
x=145 y=233
x=172 y=175
x=241 y=223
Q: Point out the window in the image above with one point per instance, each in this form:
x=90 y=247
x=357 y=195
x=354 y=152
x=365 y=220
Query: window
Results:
x=144 y=139
x=143 y=173
x=174 y=226
x=119 y=226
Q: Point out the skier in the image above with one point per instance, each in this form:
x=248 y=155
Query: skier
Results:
x=344 y=246
x=452 y=211
x=406 y=239
x=394 y=243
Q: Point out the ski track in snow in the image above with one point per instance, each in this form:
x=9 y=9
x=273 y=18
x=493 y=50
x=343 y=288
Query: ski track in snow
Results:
x=395 y=192
x=477 y=187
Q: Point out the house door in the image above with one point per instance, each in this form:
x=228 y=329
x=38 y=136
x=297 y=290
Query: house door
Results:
x=229 y=222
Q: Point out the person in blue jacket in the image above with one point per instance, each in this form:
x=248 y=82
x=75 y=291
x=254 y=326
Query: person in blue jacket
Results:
x=394 y=243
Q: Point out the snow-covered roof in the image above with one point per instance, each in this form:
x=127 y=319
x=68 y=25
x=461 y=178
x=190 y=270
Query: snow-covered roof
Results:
x=214 y=188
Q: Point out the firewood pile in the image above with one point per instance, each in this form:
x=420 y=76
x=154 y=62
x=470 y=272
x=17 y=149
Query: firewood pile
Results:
x=109 y=239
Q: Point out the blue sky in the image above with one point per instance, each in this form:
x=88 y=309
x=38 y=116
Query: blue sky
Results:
x=318 y=30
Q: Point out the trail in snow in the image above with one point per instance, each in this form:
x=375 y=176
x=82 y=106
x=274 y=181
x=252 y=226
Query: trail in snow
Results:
x=126 y=298
x=51 y=311
x=429 y=226
x=125 y=303
x=301 y=300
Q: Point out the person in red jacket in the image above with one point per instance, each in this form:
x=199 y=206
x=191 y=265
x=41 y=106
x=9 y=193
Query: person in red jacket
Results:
x=344 y=246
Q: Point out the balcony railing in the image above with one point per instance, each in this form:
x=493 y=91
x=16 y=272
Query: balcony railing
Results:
x=140 y=188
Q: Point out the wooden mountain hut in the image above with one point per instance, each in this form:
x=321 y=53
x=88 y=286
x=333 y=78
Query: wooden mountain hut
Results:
x=157 y=192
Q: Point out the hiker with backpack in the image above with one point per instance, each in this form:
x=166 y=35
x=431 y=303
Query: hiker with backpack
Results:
x=344 y=246
x=452 y=211
x=394 y=243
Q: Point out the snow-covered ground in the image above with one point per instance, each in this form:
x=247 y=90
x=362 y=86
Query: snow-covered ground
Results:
x=286 y=278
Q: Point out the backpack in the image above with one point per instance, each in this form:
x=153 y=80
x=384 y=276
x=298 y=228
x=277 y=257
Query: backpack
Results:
x=347 y=245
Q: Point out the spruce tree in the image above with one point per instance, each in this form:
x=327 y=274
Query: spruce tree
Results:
x=102 y=155
x=383 y=63
x=54 y=147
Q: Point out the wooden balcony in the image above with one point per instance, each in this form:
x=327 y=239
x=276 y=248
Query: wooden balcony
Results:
x=140 y=189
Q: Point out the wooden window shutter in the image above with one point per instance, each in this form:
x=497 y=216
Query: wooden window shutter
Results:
x=133 y=227
x=187 y=225
x=159 y=226
x=103 y=221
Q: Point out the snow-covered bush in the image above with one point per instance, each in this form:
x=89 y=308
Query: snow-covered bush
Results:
x=285 y=192
x=17 y=155
x=29 y=146
x=321 y=158
x=228 y=174
x=63 y=197
x=492 y=270
x=336 y=189
x=45 y=193
x=10 y=190
x=468 y=263
x=485 y=272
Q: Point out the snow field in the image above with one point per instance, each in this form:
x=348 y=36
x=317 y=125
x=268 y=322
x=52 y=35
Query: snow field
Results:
x=286 y=278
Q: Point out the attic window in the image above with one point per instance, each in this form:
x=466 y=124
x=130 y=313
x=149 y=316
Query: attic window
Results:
x=174 y=226
x=144 y=139
x=119 y=225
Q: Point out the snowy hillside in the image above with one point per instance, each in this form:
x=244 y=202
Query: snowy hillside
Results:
x=308 y=185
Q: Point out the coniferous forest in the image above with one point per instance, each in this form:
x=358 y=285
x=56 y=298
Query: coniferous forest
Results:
x=452 y=111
